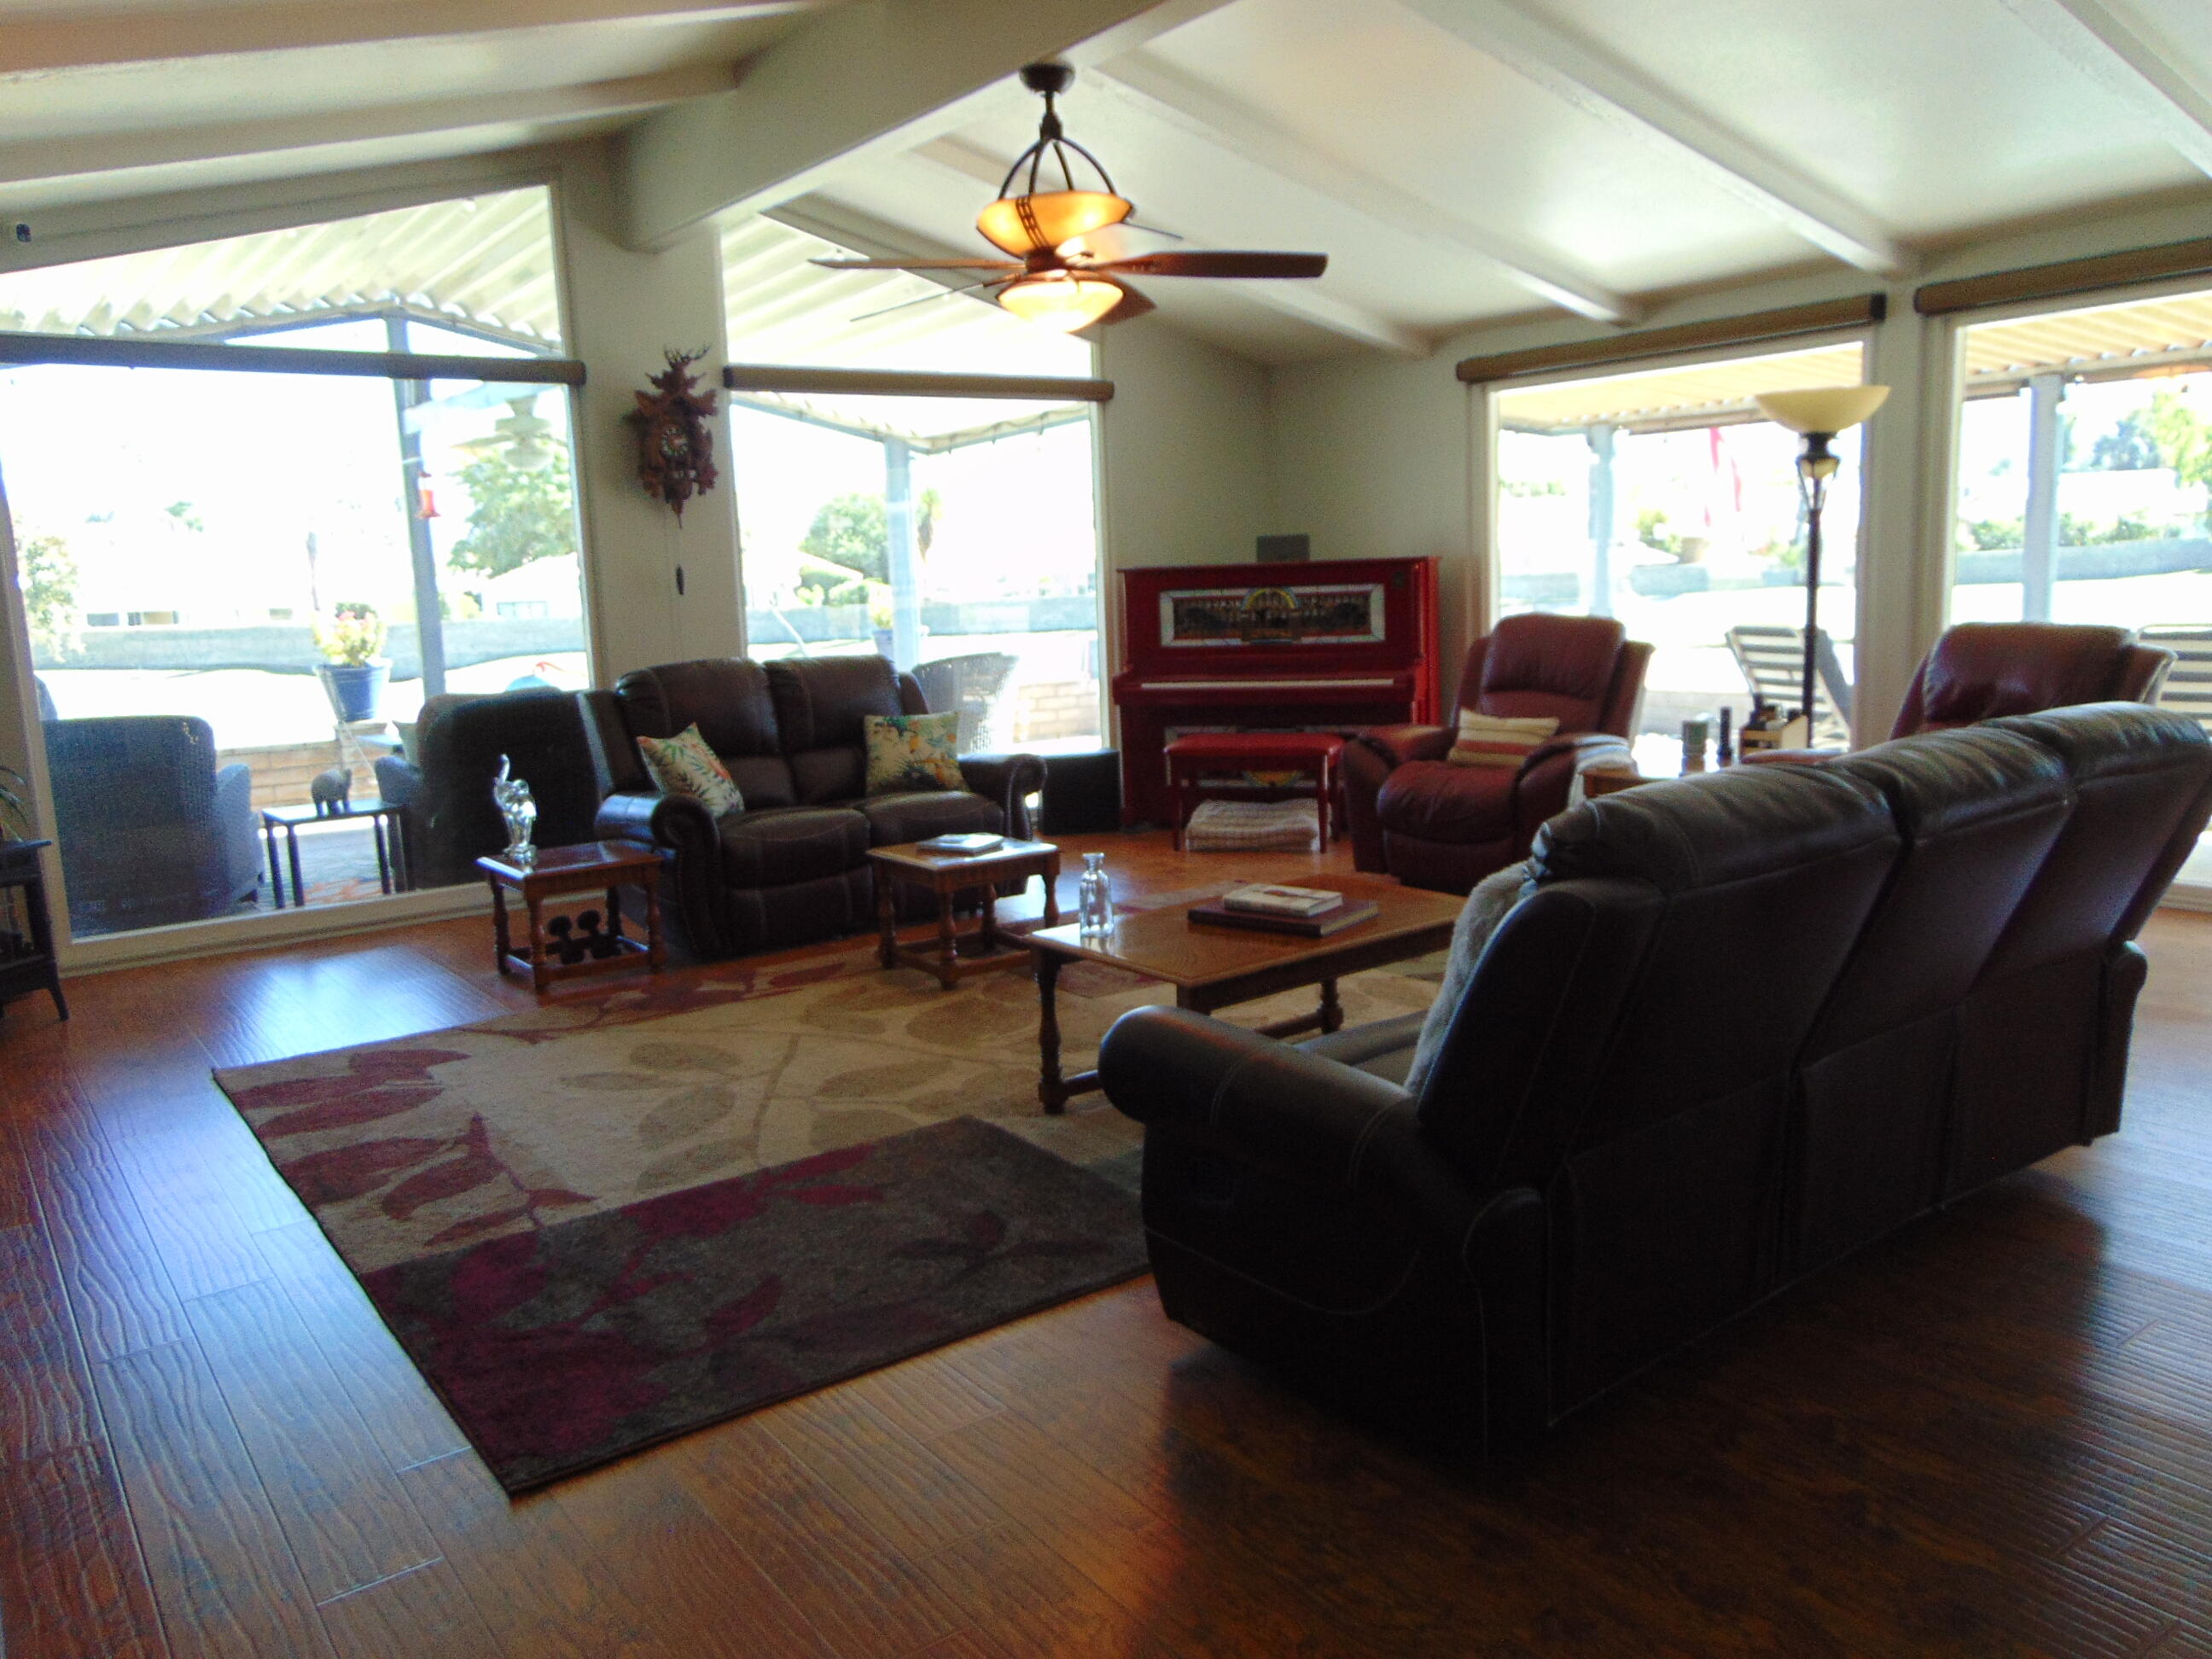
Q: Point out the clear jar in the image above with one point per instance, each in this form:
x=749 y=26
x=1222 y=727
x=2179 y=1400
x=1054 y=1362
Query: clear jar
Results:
x=1094 y=896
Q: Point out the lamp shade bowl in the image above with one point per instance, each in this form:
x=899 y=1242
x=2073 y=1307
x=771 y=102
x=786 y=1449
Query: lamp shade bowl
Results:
x=1827 y=408
x=1062 y=300
x=1023 y=225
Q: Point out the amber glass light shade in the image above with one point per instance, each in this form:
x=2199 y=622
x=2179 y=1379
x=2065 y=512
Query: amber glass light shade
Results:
x=1060 y=299
x=1023 y=225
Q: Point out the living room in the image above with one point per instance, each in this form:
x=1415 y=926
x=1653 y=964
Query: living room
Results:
x=324 y=337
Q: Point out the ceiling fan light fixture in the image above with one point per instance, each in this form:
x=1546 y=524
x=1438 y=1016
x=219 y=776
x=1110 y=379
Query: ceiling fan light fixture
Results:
x=1062 y=300
x=1023 y=225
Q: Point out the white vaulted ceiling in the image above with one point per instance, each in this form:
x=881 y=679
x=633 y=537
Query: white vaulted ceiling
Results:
x=1459 y=160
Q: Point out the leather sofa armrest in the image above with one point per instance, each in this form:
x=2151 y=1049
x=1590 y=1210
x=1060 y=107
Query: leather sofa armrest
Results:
x=653 y=819
x=1397 y=745
x=1292 y=1114
x=1788 y=756
x=1547 y=777
x=1008 y=780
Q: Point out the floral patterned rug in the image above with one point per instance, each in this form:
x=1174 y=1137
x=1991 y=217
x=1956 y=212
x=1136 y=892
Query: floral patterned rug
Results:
x=613 y=1218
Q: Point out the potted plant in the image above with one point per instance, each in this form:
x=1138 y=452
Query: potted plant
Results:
x=352 y=642
x=880 y=617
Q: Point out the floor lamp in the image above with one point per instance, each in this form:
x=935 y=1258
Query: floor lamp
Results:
x=1819 y=413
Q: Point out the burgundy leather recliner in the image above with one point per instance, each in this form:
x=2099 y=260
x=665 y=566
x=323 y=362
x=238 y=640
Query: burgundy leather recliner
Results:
x=1417 y=816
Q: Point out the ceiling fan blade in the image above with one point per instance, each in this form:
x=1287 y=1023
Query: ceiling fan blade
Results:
x=915 y=264
x=1219 y=265
x=923 y=300
x=1133 y=304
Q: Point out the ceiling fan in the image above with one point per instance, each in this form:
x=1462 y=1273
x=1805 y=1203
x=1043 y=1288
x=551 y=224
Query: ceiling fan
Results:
x=1052 y=276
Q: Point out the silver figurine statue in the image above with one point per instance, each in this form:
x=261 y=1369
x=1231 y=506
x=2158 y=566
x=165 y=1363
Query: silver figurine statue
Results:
x=519 y=808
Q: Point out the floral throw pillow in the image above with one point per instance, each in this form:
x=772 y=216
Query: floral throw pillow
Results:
x=1493 y=740
x=685 y=765
x=912 y=751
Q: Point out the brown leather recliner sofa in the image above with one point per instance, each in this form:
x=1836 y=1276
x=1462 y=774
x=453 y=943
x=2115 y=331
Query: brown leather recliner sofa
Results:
x=1736 y=1026
x=791 y=868
x=1432 y=824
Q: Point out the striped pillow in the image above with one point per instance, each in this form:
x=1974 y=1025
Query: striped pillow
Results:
x=1488 y=740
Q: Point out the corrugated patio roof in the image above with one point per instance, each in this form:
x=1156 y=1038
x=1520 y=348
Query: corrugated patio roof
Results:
x=1701 y=394
x=2099 y=342
x=485 y=262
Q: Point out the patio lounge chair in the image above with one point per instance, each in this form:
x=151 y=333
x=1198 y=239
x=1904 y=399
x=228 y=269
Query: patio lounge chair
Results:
x=972 y=685
x=1773 y=663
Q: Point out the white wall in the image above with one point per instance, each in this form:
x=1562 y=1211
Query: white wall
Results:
x=1380 y=457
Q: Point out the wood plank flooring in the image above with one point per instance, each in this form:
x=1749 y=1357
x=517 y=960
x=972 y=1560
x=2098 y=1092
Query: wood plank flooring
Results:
x=1991 y=1435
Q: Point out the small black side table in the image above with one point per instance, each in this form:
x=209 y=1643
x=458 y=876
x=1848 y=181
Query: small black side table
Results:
x=286 y=821
x=28 y=964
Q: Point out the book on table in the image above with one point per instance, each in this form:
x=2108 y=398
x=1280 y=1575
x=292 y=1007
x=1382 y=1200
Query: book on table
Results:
x=967 y=846
x=1215 y=913
x=1274 y=899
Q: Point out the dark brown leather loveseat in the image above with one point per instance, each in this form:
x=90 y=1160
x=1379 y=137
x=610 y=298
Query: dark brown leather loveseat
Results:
x=792 y=866
x=1736 y=1026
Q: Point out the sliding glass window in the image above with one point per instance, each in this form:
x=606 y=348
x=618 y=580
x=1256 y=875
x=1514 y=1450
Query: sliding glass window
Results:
x=240 y=588
x=1663 y=498
x=2085 y=464
x=956 y=534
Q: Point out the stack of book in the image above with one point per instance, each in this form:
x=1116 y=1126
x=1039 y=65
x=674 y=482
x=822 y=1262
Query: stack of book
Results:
x=1310 y=912
x=967 y=846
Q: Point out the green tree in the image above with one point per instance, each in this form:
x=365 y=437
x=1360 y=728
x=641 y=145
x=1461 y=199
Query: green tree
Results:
x=519 y=516
x=2131 y=446
x=2184 y=440
x=853 y=531
x=48 y=575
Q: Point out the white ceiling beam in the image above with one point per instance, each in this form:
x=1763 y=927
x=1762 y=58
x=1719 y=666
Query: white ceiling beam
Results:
x=69 y=158
x=1627 y=100
x=2122 y=56
x=871 y=78
x=1167 y=96
x=82 y=38
x=1303 y=299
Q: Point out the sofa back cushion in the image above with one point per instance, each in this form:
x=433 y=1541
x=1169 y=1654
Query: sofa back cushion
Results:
x=821 y=703
x=1540 y=664
x=1627 y=1043
x=729 y=699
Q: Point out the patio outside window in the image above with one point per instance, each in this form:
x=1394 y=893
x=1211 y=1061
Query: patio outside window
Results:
x=1663 y=498
x=955 y=535
x=2084 y=470
x=198 y=550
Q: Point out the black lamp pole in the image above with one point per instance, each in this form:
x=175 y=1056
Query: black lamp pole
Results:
x=1815 y=468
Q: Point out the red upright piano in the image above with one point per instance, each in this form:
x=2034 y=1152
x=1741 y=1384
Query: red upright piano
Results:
x=1327 y=647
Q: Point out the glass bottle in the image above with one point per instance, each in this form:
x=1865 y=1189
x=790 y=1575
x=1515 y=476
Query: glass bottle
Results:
x=1094 y=896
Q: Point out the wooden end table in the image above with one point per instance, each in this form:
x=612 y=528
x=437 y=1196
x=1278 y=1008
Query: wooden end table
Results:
x=26 y=960
x=1211 y=968
x=948 y=875
x=555 y=952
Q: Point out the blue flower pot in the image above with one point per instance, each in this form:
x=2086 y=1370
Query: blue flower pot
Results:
x=357 y=690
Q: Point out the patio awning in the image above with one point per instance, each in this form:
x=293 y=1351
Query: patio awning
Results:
x=2121 y=341
x=484 y=264
x=1668 y=399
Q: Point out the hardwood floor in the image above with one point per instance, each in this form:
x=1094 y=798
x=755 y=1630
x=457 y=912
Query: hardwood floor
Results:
x=1991 y=1434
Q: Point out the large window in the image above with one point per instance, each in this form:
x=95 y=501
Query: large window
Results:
x=240 y=587
x=956 y=535
x=1664 y=499
x=2085 y=461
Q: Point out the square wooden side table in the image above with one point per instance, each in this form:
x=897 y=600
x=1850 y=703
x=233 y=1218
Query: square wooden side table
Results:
x=948 y=875
x=561 y=950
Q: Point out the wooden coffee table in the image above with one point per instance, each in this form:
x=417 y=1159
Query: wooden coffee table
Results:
x=562 y=952
x=948 y=875
x=1213 y=967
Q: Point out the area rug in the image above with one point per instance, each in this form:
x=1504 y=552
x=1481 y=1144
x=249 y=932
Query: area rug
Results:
x=616 y=1217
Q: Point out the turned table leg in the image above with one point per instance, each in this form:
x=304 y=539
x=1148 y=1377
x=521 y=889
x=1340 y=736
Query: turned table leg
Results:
x=1052 y=1091
x=499 y=936
x=1052 y=889
x=886 y=921
x=948 y=943
x=536 y=905
x=1332 y=1010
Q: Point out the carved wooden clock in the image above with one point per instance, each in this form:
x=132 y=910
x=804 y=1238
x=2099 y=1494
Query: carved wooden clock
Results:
x=676 y=446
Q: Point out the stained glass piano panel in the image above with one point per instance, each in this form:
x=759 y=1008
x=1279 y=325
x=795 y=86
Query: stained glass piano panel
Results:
x=1304 y=614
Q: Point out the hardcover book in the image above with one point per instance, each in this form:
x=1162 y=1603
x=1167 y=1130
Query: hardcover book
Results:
x=1215 y=913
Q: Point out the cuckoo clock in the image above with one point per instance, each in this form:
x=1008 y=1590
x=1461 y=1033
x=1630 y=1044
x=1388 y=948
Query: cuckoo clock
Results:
x=676 y=446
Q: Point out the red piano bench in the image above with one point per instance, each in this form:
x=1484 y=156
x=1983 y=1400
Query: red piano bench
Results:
x=1317 y=754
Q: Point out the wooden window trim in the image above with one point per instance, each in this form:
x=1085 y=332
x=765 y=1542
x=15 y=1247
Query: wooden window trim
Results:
x=2066 y=279
x=1637 y=344
x=142 y=352
x=910 y=383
